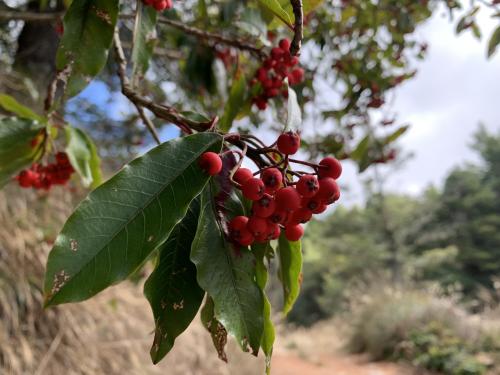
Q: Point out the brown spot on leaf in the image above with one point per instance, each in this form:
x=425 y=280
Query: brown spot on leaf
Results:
x=103 y=15
x=178 y=306
x=150 y=238
x=60 y=279
x=73 y=245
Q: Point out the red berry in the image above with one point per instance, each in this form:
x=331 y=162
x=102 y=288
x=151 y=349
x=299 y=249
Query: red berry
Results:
x=302 y=215
x=62 y=158
x=273 y=231
x=160 y=5
x=242 y=175
x=308 y=185
x=277 y=53
x=211 y=163
x=262 y=74
x=238 y=231
x=298 y=75
x=169 y=4
x=328 y=189
x=278 y=217
x=330 y=167
x=265 y=206
x=26 y=178
x=253 y=188
x=257 y=226
x=294 y=232
x=273 y=179
x=238 y=223
x=246 y=238
x=287 y=199
x=289 y=143
x=284 y=44
x=261 y=104
x=320 y=209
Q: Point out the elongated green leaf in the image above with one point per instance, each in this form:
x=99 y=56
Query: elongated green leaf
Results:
x=396 y=134
x=494 y=42
x=216 y=329
x=275 y=8
x=16 y=149
x=83 y=156
x=172 y=290
x=120 y=223
x=235 y=103
x=144 y=39
x=261 y=274
x=88 y=32
x=227 y=273
x=12 y=105
x=290 y=256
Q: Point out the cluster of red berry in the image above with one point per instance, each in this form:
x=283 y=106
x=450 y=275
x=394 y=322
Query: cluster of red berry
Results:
x=159 y=5
x=278 y=66
x=279 y=203
x=44 y=176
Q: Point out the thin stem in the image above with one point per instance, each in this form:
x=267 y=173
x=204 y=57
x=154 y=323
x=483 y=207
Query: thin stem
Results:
x=149 y=124
x=29 y=16
x=167 y=113
x=298 y=12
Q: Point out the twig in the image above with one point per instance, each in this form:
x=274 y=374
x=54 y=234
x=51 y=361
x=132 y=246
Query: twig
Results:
x=148 y=123
x=298 y=12
x=162 y=111
x=207 y=35
x=29 y=16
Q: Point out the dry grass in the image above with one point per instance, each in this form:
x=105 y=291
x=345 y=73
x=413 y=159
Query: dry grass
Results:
x=109 y=334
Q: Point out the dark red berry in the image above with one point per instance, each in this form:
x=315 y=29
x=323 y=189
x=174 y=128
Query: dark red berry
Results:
x=320 y=209
x=330 y=167
x=308 y=185
x=265 y=206
x=328 y=189
x=298 y=75
x=302 y=215
x=289 y=143
x=294 y=232
x=287 y=199
x=257 y=226
x=278 y=217
x=246 y=238
x=242 y=175
x=273 y=179
x=211 y=163
x=273 y=231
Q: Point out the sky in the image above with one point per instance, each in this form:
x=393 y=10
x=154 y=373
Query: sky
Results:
x=456 y=88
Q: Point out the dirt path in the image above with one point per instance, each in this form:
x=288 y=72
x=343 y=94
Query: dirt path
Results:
x=291 y=364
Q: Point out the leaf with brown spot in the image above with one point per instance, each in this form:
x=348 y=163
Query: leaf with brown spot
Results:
x=216 y=329
x=172 y=289
x=88 y=32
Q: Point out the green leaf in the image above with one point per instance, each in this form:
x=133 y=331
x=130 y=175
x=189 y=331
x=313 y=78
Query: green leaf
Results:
x=361 y=149
x=290 y=256
x=16 y=151
x=395 y=135
x=172 y=289
x=235 y=103
x=494 y=42
x=261 y=275
x=275 y=8
x=88 y=32
x=12 y=105
x=144 y=39
x=216 y=329
x=114 y=230
x=83 y=156
x=227 y=274
x=294 y=118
